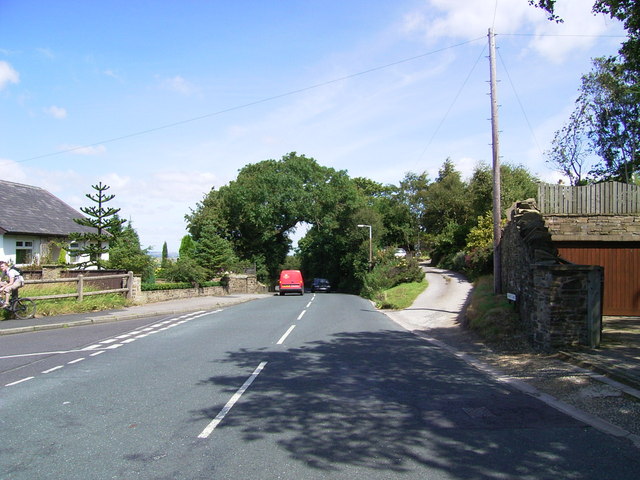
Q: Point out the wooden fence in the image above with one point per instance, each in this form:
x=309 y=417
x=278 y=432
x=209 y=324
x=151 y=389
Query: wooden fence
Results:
x=610 y=198
x=80 y=280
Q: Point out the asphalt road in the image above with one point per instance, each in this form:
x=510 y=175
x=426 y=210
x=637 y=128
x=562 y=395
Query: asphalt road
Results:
x=294 y=387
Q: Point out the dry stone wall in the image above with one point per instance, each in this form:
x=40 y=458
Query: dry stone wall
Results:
x=558 y=302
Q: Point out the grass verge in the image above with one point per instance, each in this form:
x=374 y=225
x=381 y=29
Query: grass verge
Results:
x=61 y=306
x=401 y=296
x=493 y=318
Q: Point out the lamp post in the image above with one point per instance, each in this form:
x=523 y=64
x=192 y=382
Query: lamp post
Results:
x=370 y=245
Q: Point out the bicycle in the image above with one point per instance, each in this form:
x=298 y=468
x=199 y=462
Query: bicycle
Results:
x=21 y=307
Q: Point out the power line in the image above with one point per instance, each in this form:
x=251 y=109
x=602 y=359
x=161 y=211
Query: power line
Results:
x=250 y=104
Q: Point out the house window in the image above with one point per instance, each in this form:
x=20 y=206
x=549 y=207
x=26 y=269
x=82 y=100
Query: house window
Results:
x=24 y=252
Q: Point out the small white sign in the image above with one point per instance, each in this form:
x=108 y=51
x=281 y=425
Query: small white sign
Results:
x=511 y=297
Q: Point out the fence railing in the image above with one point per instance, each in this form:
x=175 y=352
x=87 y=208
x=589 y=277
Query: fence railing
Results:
x=80 y=281
x=610 y=198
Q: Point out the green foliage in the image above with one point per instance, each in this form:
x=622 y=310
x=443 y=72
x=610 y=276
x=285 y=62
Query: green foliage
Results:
x=493 y=317
x=164 y=262
x=401 y=296
x=103 y=220
x=390 y=271
x=126 y=253
x=185 y=269
x=214 y=253
x=187 y=247
x=147 y=287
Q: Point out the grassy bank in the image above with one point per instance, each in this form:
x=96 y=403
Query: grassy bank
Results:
x=400 y=296
x=493 y=318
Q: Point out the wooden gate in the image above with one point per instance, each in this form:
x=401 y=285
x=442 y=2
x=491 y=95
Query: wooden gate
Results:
x=621 y=263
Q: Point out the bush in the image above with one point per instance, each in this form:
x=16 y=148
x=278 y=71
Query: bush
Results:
x=390 y=271
x=185 y=269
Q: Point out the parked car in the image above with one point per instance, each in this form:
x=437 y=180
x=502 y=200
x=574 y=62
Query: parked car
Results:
x=400 y=252
x=291 y=282
x=320 y=285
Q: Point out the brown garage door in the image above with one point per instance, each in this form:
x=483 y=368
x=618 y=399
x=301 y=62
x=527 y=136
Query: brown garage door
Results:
x=621 y=262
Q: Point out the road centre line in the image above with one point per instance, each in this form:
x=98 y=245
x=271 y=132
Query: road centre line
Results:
x=53 y=369
x=302 y=314
x=75 y=361
x=232 y=401
x=283 y=337
x=308 y=304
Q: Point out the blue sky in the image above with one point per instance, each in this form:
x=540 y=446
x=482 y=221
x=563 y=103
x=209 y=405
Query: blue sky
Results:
x=163 y=100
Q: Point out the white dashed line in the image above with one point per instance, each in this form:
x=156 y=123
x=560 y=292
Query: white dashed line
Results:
x=18 y=381
x=53 y=369
x=283 y=337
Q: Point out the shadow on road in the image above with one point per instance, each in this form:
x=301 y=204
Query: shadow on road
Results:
x=388 y=401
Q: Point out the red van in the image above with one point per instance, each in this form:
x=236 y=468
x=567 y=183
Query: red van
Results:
x=291 y=281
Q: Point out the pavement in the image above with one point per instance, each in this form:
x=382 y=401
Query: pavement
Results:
x=599 y=386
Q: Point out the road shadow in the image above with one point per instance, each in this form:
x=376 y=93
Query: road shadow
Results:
x=391 y=402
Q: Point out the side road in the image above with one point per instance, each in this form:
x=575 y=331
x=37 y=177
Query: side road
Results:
x=592 y=394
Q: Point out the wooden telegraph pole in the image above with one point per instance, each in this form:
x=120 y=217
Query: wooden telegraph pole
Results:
x=497 y=231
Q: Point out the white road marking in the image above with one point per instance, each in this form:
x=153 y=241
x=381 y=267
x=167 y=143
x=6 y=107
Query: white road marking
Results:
x=302 y=314
x=75 y=361
x=309 y=304
x=97 y=353
x=283 y=337
x=232 y=401
x=53 y=369
x=18 y=381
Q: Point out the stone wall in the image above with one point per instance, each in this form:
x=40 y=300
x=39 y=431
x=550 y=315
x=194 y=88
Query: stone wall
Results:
x=559 y=303
x=237 y=284
x=608 y=228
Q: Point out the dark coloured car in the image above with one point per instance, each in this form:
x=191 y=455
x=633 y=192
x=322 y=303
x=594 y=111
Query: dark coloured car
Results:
x=320 y=285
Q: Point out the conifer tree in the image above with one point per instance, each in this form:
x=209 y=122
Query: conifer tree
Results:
x=103 y=219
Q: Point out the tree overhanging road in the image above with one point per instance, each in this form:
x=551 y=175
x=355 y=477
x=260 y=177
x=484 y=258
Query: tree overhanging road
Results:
x=324 y=387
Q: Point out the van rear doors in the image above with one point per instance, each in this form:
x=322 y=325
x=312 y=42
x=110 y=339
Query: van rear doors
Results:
x=291 y=281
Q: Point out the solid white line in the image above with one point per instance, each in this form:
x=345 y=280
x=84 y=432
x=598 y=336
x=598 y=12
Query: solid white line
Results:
x=53 y=369
x=302 y=314
x=236 y=396
x=17 y=382
x=283 y=337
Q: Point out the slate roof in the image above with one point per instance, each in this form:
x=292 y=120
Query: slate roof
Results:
x=25 y=209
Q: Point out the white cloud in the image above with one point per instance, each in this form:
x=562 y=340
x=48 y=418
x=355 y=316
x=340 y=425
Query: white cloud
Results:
x=56 y=112
x=464 y=19
x=7 y=75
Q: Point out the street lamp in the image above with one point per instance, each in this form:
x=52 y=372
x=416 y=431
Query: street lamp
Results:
x=370 y=245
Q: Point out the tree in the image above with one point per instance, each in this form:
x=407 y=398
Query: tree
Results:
x=570 y=147
x=214 y=253
x=164 y=262
x=187 y=247
x=95 y=244
x=126 y=253
x=613 y=99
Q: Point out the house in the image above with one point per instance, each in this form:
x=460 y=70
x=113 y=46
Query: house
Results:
x=35 y=225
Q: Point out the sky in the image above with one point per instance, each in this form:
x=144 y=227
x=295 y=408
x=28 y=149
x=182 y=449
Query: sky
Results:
x=165 y=100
